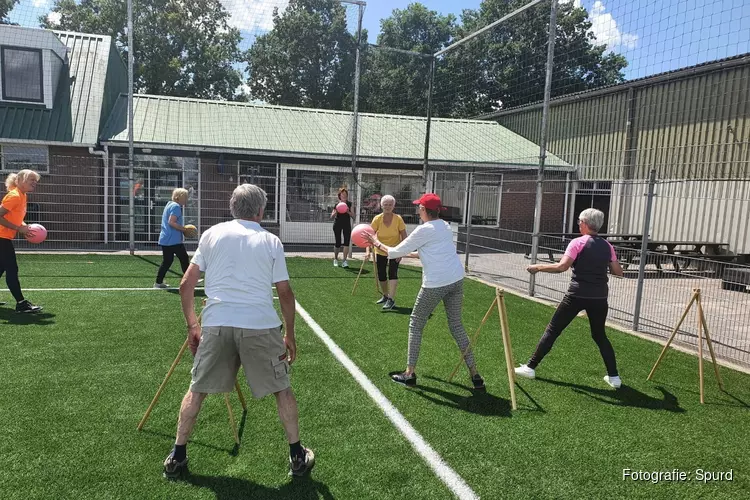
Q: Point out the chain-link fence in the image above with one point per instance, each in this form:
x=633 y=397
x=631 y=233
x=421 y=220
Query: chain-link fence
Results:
x=516 y=134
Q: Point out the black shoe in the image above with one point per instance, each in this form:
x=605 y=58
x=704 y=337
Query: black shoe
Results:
x=401 y=378
x=27 y=307
x=3 y=303
x=389 y=304
x=478 y=382
x=174 y=469
x=301 y=466
x=382 y=300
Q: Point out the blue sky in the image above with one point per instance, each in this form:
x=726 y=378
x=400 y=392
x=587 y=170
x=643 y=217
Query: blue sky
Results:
x=654 y=36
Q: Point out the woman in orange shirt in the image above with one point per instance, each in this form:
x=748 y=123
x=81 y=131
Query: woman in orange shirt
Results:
x=12 y=212
x=391 y=231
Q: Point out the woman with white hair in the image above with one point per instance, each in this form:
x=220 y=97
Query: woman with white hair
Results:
x=590 y=256
x=390 y=230
x=171 y=236
x=12 y=213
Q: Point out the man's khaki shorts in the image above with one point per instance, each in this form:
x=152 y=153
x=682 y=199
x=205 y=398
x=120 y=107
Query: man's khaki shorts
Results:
x=223 y=349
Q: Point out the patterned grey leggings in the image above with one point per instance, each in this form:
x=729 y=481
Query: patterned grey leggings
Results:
x=427 y=300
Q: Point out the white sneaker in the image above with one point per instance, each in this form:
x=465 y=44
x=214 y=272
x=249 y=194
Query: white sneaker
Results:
x=614 y=382
x=161 y=285
x=344 y=264
x=525 y=372
x=335 y=263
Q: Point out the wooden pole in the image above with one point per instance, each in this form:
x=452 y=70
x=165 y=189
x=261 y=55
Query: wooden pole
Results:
x=473 y=340
x=163 y=384
x=362 y=266
x=375 y=272
x=239 y=394
x=503 y=315
x=710 y=345
x=674 y=332
x=700 y=349
x=231 y=418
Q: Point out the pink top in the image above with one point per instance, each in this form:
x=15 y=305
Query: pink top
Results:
x=576 y=246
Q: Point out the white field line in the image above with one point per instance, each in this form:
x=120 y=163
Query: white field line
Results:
x=446 y=474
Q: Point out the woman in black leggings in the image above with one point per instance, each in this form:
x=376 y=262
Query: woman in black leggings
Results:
x=590 y=256
x=12 y=213
x=171 y=236
x=342 y=229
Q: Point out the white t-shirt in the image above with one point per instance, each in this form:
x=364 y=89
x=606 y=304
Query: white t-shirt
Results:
x=441 y=265
x=241 y=261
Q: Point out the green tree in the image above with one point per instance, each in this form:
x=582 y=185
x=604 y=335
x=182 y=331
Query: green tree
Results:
x=505 y=67
x=307 y=59
x=184 y=49
x=5 y=7
x=396 y=83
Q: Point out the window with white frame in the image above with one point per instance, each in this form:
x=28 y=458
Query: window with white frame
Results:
x=17 y=157
x=22 y=74
x=264 y=175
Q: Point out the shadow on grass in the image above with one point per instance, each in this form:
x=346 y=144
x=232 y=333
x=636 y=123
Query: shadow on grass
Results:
x=197 y=293
x=400 y=310
x=229 y=488
x=192 y=442
x=234 y=451
x=741 y=403
x=156 y=262
x=624 y=396
x=733 y=401
x=10 y=316
x=479 y=403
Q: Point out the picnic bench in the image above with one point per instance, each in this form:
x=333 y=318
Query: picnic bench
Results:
x=551 y=243
x=672 y=250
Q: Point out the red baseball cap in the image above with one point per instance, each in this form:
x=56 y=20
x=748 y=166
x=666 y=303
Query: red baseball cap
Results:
x=430 y=201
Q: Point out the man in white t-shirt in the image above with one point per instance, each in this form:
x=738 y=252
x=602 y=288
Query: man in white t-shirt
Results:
x=242 y=262
x=442 y=281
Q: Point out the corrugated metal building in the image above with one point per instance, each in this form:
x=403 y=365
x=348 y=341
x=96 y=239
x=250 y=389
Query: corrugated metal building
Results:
x=691 y=125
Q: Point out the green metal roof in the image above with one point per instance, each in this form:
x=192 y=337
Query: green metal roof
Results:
x=192 y=124
x=86 y=92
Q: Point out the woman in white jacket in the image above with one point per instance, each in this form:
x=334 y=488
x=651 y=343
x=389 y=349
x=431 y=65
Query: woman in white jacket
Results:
x=442 y=280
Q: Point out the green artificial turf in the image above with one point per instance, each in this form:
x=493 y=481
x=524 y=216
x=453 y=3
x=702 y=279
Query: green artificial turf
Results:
x=79 y=377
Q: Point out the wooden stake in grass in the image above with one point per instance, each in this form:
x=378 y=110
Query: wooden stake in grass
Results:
x=169 y=374
x=498 y=301
x=362 y=266
x=702 y=328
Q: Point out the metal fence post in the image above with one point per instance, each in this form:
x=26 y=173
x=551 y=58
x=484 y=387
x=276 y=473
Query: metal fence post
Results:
x=428 y=125
x=543 y=141
x=644 y=249
x=469 y=215
x=355 y=122
x=131 y=214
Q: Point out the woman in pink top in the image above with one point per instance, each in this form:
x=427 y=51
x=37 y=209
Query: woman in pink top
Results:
x=590 y=257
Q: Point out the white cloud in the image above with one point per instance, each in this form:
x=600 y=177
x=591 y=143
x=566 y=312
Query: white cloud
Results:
x=605 y=29
x=54 y=18
x=39 y=3
x=255 y=16
x=576 y=3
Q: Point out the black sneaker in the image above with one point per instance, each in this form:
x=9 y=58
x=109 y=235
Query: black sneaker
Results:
x=174 y=469
x=382 y=300
x=401 y=378
x=478 y=382
x=3 y=303
x=389 y=304
x=300 y=466
x=27 y=307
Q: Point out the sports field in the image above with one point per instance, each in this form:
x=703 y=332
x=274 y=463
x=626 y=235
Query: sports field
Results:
x=78 y=377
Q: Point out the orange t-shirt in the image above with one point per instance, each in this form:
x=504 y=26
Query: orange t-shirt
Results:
x=15 y=203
